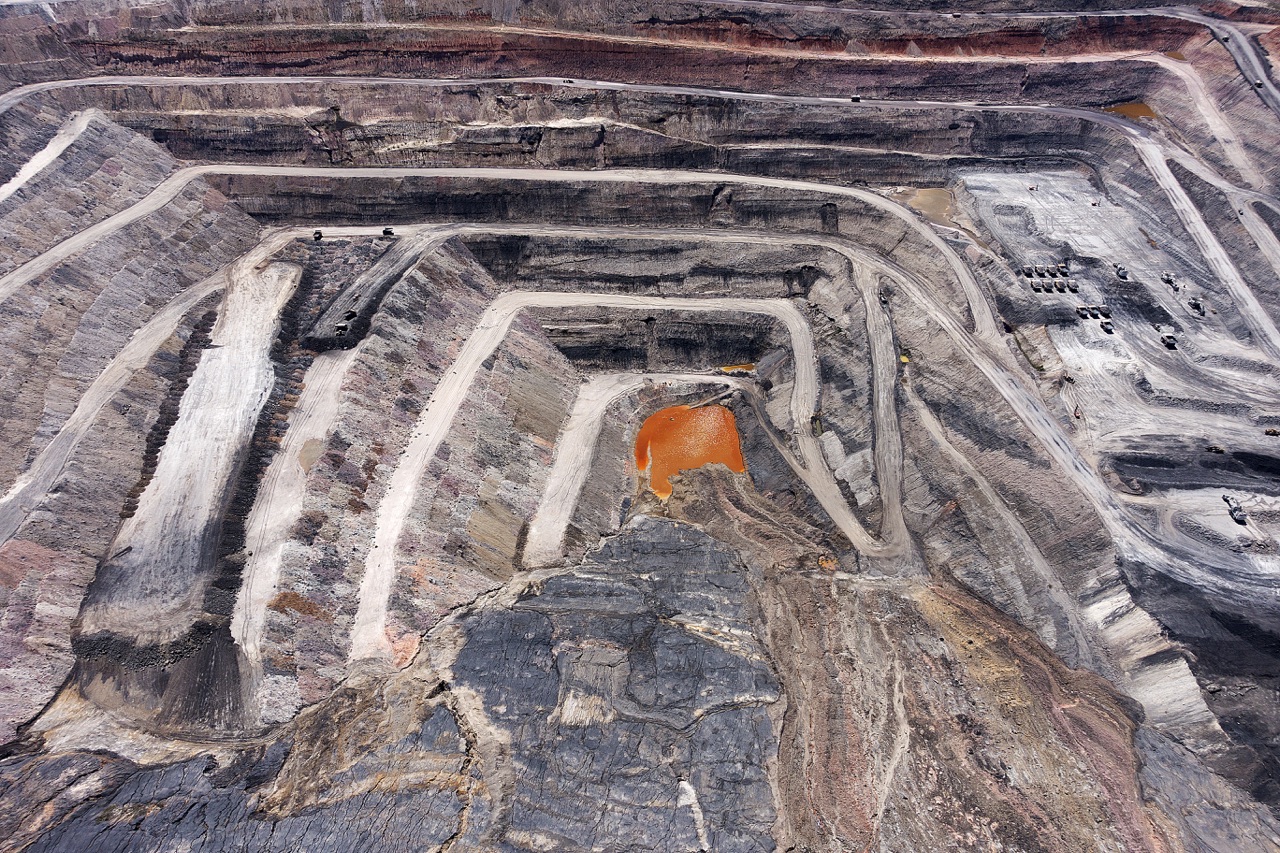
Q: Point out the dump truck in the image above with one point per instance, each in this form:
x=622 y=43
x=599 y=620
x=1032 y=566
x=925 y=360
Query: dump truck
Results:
x=1169 y=341
x=1108 y=327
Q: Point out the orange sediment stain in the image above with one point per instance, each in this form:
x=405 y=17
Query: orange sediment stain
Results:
x=680 y=438
x=738 y=368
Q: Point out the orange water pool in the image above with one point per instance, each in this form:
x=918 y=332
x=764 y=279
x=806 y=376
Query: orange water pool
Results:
x=679 y=438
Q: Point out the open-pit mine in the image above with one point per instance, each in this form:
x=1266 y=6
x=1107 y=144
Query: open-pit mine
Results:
x=700 y=426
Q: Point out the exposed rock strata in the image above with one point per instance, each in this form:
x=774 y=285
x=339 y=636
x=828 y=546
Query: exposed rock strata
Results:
x=1042 y=628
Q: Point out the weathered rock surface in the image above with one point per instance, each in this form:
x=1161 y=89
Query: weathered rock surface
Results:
x=991 y=297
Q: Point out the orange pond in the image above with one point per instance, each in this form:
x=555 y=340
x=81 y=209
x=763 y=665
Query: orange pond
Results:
x=1136 y=109
x=679 y=438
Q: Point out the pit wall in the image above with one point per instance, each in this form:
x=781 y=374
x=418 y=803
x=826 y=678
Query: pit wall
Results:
x=97 y=33
x=50 y=561
x=463 y=534
x=542 y=126
x=733 y=206
x=52 y=349
x=105 y=170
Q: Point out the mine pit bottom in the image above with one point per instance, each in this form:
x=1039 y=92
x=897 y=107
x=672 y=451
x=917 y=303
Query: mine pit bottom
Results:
x=680 y=438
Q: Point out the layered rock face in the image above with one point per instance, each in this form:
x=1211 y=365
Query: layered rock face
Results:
x=323 y=526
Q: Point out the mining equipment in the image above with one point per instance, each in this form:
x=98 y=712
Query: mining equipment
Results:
x=1027 y=271
x=1062 y=266
x=1073 y=285
x=1036 y=286
x=815 y=424
x=1257 y=84
x=1122 y=271
x=1060 y=286
x=1104 y=310
x=1040 y=271
x=1236 y=511
x=1215 y=448
x=1196 y=305
x=387 y=232
x=1108 y=327
x=1083 y=312
x=1166 y=277
x=1271 y=431
x=1169 y=341
x=1052 y=271
x=341 y=329
x=857 y=99
x=316 y=235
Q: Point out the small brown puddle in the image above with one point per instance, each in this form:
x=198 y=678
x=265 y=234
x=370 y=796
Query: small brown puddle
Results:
x=1137 y=109
x=679 y=438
